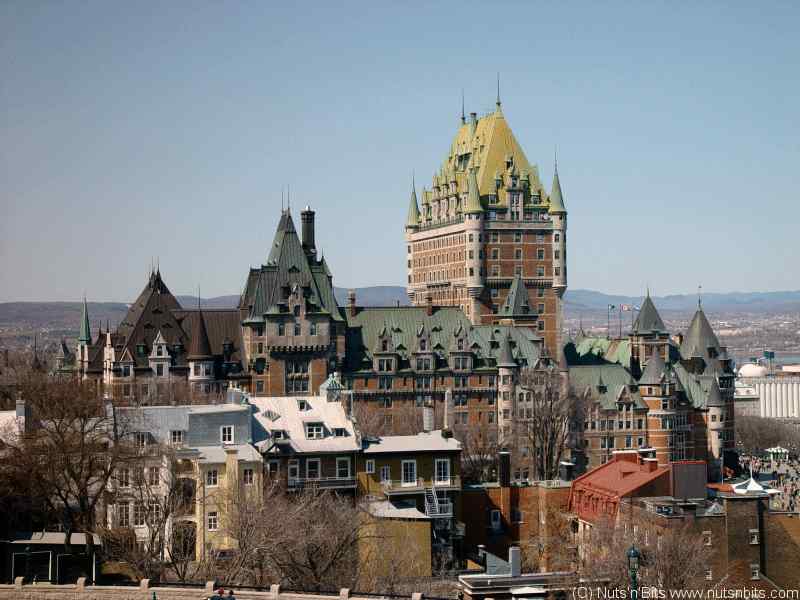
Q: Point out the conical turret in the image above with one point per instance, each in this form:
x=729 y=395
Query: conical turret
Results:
x=85 y=334
x=413 y=208
x=556 y=197
x=199 y=347
x=473 y=205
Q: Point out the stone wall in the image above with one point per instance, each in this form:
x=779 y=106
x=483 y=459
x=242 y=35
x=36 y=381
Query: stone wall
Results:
x=80 y=591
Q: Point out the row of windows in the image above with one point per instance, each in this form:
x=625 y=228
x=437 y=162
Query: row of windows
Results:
x=140 y=513
x=212 y=477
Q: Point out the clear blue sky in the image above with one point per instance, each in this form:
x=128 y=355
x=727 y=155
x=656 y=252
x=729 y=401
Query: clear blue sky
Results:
x=139 y=129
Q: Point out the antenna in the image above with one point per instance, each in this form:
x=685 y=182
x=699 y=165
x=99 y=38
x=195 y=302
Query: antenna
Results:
x=288 y=198
x=463 y=113
x=281 y=198
x=700 y=297
x=498 y=90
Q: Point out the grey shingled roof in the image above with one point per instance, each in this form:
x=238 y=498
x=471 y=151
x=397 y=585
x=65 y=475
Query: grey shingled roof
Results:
x=654 y=371
x=516 y=302
x=699 y=337
x=648 y=320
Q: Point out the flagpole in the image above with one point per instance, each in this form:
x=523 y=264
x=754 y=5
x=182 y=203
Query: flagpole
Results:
x=620 y=321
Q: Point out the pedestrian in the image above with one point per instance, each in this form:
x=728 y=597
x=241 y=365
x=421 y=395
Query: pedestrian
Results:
x=230 y=595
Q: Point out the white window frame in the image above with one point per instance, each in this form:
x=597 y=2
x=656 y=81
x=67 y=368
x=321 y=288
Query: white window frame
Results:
x=276 y=464
x=139 y=514
x=318 y=430
x=437 y=479
x=123 y=514
x=141 y=439
x=153 y=480
x=212 y=474
x=293 y=465
x=223 y=430
x=754 y=537
x=403 y=481
x=755 y=572
x=248 y=476
x=709 y=575
x=370 y=466
x=386 y=474
x=343 y=460
x=316 y=461
x=176 y=436
x=212 y=518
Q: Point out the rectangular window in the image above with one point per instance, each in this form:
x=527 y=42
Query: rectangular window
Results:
x=409 y=473
x=755 y=572
x=160 y=369
x=312 y=468
x=707 y=538
x=124 y=478
x=754 y=537
x=495 y=520
x=247 y=477
x=314 y=431
x=386 y=474
x=176 y=435
x=153 y=476
x=370 y=466
x=123 y=514
x=343 y=467
x=293 y=470
x=212 y=477
x=259 y=387
x=226 y=434
x=443 y=470
x=140 y=439
x=138 y=515
x=540 y=254
x=213 y=521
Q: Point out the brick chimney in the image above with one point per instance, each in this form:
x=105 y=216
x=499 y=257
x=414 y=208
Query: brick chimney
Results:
x=307 y=218
x=428 y=304
x=351 y=303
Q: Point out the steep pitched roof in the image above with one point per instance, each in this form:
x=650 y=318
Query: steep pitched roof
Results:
x=654 y=371
x=221 y=326
x=556 y=197
x=85 y=333
x=473 y=204
x=517 y=300
x=605 y=383
x=505 y=358
x=199 y=346
x=288 y=265
x=699 y=337
x=648 y=320
x=413 y=209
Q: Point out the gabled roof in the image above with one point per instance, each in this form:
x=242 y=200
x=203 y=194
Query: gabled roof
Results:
x=516 y=303
x=699 y=337
x=427 y=441
x=648 y=320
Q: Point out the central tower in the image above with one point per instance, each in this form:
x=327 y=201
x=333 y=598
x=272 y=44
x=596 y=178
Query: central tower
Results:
x=488 y=228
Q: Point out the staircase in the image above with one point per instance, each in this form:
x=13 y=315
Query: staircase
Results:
x=431 y=502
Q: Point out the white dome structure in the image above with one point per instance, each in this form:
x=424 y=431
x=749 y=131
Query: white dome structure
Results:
x=752 y=370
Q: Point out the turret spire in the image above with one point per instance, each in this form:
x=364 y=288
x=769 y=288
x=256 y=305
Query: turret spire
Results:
x=463 y=113
x=497 y=102
x=85 y=334
x=413 y=208
x=473 y=195
x=556 y=196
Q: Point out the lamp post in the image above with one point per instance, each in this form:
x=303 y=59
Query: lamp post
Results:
x=633 y=570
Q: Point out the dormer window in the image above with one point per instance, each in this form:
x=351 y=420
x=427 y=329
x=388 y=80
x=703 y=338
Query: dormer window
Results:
x=159 y=350
x=281 y=329
x=461 y=344
x=226 y=434
x=340 y=432
x=315 y=431
x=384 y=346
x=423 y=346
x=302 y=404
x=312 y=329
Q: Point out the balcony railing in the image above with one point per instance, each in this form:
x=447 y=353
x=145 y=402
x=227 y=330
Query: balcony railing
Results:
x=321 y=482
x=400 y=487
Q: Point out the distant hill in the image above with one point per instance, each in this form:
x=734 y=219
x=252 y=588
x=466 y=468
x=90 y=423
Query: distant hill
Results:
x=731 y=302
x=54 y=320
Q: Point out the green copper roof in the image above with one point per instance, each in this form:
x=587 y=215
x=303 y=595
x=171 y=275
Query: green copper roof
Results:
x=699 y=337
x=85 y=334
x=599 y=350
x=517 y=300
x=473 y=197
x=505 y=358
x=605 y=383
x=556 y=197
x=413 y=209
x=648 y=320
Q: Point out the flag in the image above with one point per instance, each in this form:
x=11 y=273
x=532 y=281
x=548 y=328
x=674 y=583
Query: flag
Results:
x=637 y=308
x=611 y=307
x=625 y=307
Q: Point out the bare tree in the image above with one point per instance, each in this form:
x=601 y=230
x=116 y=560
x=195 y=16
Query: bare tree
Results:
x=378 y=417
x=672 y=557
x=479 y=449
x=759 y=433
x=545 y=411
x=550 y=546
x=69 y=452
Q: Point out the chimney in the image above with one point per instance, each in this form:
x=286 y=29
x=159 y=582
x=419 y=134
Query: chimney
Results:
x=515 y=560
x=307 y=218
x=448 y=398
x=650 y=464
x=351 y=303
x=504 y=470
x=427 y=417
x=428 y=304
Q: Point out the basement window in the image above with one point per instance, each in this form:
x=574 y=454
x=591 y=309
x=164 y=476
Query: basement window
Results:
x=754 y=537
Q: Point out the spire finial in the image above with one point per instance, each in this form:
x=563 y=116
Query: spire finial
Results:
x=498 y=90
x=463 y=112
x=198 y=298
x=413 y=182
x=648 y=290
x=555 y=158
x=699 y=297
x=288 y=198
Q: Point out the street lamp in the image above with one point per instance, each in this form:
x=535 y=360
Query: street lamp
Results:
x=633 y=569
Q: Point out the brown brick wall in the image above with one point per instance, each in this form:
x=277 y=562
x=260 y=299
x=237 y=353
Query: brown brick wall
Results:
x=782 y=549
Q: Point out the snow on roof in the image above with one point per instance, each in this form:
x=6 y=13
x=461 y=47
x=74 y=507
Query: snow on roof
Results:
x=55 y=537
x=282 y=413
x=218 y=455
x=383 y=509
x=429 y=441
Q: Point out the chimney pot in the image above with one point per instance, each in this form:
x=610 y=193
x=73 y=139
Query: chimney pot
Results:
x=351 y=302
x=307 y=218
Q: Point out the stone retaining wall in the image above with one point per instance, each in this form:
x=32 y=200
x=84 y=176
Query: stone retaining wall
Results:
x=81 y=591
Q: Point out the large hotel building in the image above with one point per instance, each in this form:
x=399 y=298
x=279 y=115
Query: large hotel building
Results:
x=486 y=221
